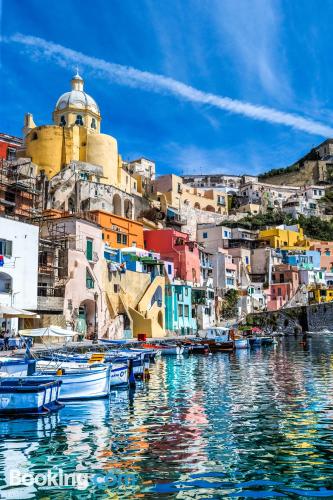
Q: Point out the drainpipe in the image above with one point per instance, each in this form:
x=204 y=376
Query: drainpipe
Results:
x=95 y=323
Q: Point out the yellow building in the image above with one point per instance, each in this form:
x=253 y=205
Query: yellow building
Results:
x=285 y=237
x=131 y=294
x=320 y=295
x=75 y=135
x=171 y=191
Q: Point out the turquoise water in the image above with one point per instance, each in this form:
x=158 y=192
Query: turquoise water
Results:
x=255 y=424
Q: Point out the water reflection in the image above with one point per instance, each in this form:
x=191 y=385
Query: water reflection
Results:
x=244 y=424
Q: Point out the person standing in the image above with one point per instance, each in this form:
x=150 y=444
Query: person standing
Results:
x=6 y=340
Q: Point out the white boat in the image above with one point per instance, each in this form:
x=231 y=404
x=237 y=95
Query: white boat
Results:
x=119 y=374
x=79 y=380
x=241 y=343
x=17 y=366
x=114 y=357
x=217 y=333
x=29 y=395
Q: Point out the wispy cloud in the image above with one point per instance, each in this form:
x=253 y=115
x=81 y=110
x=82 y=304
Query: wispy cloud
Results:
x=126 y=75
x=250 y=34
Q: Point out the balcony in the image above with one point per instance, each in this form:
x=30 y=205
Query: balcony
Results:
x=94 y=258
x=174 y=218
x=205 y=264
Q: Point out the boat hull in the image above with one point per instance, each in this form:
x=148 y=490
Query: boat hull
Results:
x=241 y=343
x=119 y=375
x=29 y=395
x=172 y=351
x=16 y=366
x=84 y=383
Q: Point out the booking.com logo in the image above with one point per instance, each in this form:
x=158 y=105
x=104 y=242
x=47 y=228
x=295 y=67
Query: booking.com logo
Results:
x=78 y=480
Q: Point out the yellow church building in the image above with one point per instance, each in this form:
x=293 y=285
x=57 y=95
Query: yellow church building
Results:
x=75 y=136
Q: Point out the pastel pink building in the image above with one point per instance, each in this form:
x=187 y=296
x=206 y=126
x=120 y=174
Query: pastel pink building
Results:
x=285 y=282
x=176 y=247
x=325 y=248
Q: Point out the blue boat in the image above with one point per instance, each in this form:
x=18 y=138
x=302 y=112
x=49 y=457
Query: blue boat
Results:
x=29 y=395
x=17 y=366
x=241 y=343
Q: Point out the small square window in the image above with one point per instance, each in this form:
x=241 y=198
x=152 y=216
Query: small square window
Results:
x=205 y=235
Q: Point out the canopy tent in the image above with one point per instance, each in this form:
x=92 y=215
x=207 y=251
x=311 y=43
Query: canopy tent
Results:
x=48 y=331
x=12 y=312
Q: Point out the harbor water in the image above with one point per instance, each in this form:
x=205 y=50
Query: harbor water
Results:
x=248 y=424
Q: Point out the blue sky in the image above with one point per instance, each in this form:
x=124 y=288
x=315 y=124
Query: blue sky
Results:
x=205 y=86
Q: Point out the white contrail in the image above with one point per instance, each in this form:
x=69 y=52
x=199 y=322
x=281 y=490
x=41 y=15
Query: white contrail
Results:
x=127 y=75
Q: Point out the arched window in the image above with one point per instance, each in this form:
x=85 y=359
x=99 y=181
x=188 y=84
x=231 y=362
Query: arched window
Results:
x=62 y=121
x=93 y=123
x=79 y=120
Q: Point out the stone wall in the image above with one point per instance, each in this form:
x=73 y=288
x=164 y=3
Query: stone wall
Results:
x=310 y=318
x=320 y=317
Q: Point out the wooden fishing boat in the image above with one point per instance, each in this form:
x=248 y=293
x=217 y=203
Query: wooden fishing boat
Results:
x=79 y=380
x=29 y=395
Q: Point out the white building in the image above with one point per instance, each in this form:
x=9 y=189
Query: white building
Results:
x=212 y=236
x=312 y=277
x=144 y=167
x=313 y=192
x=297 y=205
x=203 y=307
x=224 y=271
x=18 y=265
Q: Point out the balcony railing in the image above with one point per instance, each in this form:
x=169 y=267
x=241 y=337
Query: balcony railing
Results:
x=177 y=219
x=94 y=258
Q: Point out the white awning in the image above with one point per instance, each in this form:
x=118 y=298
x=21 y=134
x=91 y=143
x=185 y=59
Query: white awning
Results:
x=12 y=312
x=49 y=331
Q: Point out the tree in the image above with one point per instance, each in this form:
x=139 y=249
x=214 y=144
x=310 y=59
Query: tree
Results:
x=229 y=304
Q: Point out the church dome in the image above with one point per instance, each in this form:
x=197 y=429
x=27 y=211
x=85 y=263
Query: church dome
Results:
x=77 y=98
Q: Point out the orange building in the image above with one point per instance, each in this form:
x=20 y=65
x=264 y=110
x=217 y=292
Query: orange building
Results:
x=119 y=232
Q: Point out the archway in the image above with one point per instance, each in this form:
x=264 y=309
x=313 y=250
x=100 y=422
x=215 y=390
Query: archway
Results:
x=209 y=208
x=117 y=210
x=197 y=206
x=128 y=209
x=85 y=322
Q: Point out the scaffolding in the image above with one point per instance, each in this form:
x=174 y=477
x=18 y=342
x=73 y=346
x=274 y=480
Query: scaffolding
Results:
x=20 y=189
